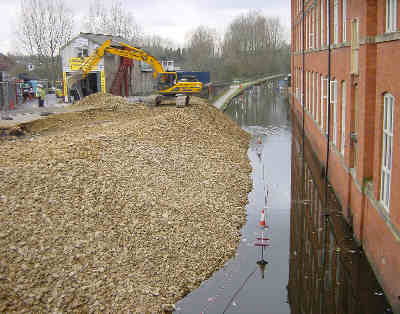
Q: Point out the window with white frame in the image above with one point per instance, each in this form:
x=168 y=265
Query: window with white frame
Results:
x=304 y=91
x=343 y=124
x=344 y=22
x=333 y=100
x=308 y=92
x=301 y=87
x=336 y=21
x=327 y=107
x=313 y=95
x=307 y=31
x=322 y=23
x=310 y=31
x=82 y=52
x=391 y=15
x=298 y=38
x=301 y=36
x=316 y=28
x=310 y=99
x=323 y=91
x=387 y=149
x=328 y=19
x=312 y=21
x=355 y=45
x=317 y=98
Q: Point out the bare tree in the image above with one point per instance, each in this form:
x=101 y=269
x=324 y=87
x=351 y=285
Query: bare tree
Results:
x=156 y=45
x=43 y=27
x=252 y=44
x=114 y=20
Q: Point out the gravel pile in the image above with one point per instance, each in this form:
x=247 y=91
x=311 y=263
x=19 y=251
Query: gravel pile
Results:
x=119 y=207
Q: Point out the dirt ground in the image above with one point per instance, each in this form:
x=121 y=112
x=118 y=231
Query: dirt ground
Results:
x=118 y=207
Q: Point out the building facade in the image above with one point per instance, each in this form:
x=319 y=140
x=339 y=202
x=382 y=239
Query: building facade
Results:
x=345 y=86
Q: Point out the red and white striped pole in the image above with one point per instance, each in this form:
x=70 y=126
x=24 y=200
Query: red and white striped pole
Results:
x=263 y=223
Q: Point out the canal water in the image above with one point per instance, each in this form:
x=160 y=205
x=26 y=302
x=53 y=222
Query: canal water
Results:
x=295 y=273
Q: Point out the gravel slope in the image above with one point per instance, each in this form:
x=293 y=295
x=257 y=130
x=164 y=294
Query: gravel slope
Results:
x=120 y=207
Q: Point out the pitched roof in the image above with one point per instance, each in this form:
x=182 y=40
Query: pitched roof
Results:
x=100 y=39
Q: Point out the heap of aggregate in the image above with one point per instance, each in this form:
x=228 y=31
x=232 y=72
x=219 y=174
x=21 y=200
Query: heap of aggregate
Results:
x=119 y=207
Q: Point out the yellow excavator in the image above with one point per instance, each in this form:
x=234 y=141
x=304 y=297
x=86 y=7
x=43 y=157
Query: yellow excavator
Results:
x=168 y=84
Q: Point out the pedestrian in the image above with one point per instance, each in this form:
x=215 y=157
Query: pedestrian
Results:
x=41 y=94
x=30 y=93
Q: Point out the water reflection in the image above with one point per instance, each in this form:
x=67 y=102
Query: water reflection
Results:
x=260 y=108
x=328 y=271
x=243 y=285
x=312 y=263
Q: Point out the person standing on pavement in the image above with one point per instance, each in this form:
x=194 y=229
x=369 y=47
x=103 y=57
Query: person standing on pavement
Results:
x=42 y=94
x=30 y=96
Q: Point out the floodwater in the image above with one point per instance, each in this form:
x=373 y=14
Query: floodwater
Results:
x=241 y=286
x=285 y=284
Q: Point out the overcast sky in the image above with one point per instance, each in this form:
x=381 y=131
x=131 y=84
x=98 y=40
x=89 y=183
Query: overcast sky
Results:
x=167 y=18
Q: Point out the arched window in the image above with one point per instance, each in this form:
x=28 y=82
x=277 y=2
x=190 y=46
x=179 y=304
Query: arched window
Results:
x=387 y=149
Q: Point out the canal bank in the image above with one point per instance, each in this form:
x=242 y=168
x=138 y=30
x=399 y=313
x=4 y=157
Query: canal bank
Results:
x=224 y=100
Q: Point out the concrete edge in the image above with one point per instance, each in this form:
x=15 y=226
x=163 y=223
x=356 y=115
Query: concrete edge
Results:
x=246 y=86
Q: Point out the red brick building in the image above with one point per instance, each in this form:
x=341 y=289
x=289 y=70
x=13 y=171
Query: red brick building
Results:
x=346 y=78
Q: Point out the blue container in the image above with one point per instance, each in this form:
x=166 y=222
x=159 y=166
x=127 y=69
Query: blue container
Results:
x=203 y=77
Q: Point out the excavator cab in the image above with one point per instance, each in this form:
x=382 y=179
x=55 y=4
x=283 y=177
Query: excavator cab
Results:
x=166 y=80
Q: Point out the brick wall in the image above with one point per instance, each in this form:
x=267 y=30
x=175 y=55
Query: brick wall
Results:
x=356 y=175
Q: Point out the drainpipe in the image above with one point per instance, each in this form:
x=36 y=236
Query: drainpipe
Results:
x=303 y=76
x=328 y=98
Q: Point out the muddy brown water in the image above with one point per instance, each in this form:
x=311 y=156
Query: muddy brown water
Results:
x=286 y=284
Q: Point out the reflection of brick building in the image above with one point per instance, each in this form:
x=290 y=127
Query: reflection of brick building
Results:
x=356 y=82
x=327 y=271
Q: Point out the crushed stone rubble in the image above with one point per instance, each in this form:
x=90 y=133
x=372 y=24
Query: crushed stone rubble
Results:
x=119 y=207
